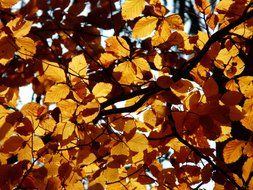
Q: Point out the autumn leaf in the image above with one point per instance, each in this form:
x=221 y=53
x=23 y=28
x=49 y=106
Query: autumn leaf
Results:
x=27 y=47
x=138 y=143
x=8 y=3
x=247 y=168
x=53 y=71
x=144 y=27
x=65 y=129
x=78 y=66
x=57 y=92
x=19 y=27
x=132 y=8
x=117 y=46
x=233 y=151
x=175 y=22
x=101 y=90
x=203 y=6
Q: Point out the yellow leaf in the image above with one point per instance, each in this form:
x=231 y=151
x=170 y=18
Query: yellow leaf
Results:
x=120 y=149
x=37 y=143
x=117 y=46
x=144 y=27
x=33 y=109
x=132 y=8
x=175 y=22
x=65 y=129
x=67 y=108
x=158 y=61
x=247 y=121
x=247 y=168
x=246 y=86
x=8 y=3
x=138 y=143
x=233 y=151
x=87 y=113
x=125 y=72
x=161 y=34
x=106 y=59
x=57 y=92
x=27 y=47
x=20 y=27
x=111 y=174
x=25 y=153
x=101 y=90
x=130 y=72
x=78 y=66
x=53 y=71
x=150 y=118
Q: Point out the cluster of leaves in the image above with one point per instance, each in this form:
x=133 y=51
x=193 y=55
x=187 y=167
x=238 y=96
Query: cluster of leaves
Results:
x=108 y=111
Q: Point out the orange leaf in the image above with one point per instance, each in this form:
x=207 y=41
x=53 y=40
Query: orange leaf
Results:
x=233 y=151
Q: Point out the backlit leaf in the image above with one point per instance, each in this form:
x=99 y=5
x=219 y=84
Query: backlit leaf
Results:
x=19 y=27
x=247 y=168
x=138 y=143
x=233 y=151
x=53 y=71
x=101 y=90
x=8 y=3
x=117 y=46
x=144 y=27
x=57 y=92
x=132 y=8
x=78 y=66
x=27 y=47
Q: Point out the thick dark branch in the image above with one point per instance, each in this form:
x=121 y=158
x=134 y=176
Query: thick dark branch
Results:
x=201 y=155
x=133 y=94
x=190 y=64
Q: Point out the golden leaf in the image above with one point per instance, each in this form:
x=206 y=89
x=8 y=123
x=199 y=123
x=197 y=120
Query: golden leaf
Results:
x=130 y=72
x=150 y=118
x=78 y=66
x=27 y=47
x=161 y=34
x=106 y=59
x=20 y=27
x=111 y=174
x=67 y=108
x=117 y=46
x=87 y=113
x=53 y=71
x=56 y=93
x=138 y=143
x=132 y=8
x=233 y=151
x=65 y=129
x=175 y=22
x=144 y=27
x=246 y=85
x=37 y=143
x=120 y=149
x=101 y=90
x=8 y=3
x=247 y=168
